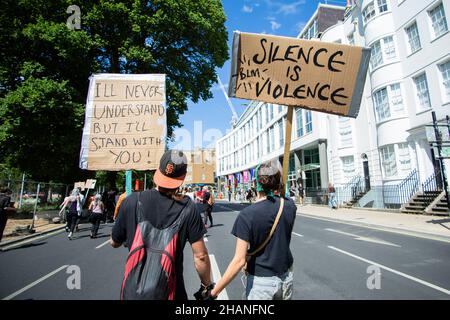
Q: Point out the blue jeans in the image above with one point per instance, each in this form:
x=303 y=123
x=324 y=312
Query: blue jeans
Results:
x=270 y=288
x=332 y=203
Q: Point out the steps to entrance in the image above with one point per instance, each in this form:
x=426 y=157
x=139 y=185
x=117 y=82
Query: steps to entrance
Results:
x=429 y=202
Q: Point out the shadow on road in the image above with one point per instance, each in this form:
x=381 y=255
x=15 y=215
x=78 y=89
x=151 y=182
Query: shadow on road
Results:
x=441 y=222
x=28 y=245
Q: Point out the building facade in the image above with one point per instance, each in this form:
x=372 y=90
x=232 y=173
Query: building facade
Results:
x=201 y=167
x=408 y=78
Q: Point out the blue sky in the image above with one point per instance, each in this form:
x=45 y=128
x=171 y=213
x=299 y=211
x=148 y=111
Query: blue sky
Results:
x=207 y=120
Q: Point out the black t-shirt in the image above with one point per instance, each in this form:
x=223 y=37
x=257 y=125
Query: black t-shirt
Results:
x=206 y=196
x=161 y=211
x=253 y=225
x=4 y=203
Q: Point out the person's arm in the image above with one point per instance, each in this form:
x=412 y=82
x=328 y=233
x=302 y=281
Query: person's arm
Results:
x=234 y=267
x=201 y=261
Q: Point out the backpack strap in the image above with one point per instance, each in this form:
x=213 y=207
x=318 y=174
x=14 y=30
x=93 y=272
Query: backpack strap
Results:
x=277 y=219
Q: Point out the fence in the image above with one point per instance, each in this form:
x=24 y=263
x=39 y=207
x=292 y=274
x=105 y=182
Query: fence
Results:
x=379 y=197
x=28 y=194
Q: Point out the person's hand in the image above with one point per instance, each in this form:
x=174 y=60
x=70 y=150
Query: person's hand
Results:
x=204 y=293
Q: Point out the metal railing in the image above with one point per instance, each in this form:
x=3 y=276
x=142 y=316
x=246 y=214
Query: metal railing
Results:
x=431 y=187
x=399 y=194
x=351 y=190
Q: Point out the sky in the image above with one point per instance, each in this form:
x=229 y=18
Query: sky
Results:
x=206 y=121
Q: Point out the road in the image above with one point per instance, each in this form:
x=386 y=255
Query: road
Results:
x=332 y=261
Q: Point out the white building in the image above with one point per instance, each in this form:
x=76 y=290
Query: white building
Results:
x=409 y=77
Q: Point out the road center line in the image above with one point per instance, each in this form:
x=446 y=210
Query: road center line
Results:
x=216 y=276
x=11 y=296
x=104 y=243
x=425 y=283
x=297 y=234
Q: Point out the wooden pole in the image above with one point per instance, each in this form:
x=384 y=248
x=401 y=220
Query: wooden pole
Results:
x=287 y=145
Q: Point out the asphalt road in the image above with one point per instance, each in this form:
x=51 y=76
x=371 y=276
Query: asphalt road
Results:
x=332 y=261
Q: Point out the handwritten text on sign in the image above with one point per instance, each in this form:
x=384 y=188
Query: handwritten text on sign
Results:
x=316 y=75
x=125 y=123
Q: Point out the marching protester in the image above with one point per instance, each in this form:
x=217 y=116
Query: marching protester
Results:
x=156 y=224
x=5 y=206
x=96 y=208
x=208 y=199
x=263 y=231
x=71 y=202
x=249 y=195
x=119 y=201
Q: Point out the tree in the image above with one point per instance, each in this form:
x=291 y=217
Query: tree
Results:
x=45 y=66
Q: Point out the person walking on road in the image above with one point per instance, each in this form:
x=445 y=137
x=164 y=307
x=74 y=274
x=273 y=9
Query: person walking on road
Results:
x=72 y=202
x=96 y=208
x=263 y=231
x=119 y=201
x=208 y=199
x=5 y=206
x=156 y=224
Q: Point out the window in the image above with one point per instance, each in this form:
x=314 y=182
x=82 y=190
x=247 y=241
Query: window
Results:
x=445 y=74
x=404 y=158
x=438 y=20
x=270 y=107
x=382 y=6
x=422 y=91
x=348 y=167
x=368 y=12
x=389 y=48
x=281 y=132
x=376 y=58
x=413 y=38
x=299 y=116
x=388 y=161
x=396 y=97
x=271 y=138
x=308 y=116
x=345 y=132
x=382 y=104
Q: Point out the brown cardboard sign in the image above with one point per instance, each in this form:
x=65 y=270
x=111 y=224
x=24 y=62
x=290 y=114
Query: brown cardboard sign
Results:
x=80 y=184
x=90 y=183
x=320 y=76
x=125 y=122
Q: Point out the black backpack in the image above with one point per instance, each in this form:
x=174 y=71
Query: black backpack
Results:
x=150 y=268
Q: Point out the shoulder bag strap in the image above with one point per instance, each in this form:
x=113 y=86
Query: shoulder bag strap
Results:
x=280 y=210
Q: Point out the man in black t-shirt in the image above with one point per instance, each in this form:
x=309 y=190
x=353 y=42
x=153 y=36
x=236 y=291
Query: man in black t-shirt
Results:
x=5 y=201
x=162 y=206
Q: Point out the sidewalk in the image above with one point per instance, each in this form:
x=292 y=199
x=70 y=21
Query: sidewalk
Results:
x=417 y=225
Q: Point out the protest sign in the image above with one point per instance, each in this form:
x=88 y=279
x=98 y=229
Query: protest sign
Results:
x=320 y=76
x=90 y=183
x=80 y=184
x=125 y=122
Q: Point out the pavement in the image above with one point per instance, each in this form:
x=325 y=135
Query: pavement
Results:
x=333 y=259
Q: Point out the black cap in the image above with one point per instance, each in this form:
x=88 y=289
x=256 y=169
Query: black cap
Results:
x=172 y=170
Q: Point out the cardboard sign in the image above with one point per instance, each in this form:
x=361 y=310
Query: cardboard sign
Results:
x=80 y=184
x=320 y=76
x=90 y=183
x=125 y=122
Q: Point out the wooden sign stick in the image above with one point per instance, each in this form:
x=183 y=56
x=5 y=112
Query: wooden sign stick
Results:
x=287 y=145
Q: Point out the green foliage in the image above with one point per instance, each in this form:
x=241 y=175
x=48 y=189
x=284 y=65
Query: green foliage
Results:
x=45 y=67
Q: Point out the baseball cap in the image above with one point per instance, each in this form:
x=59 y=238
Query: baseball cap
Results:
x=172 y=170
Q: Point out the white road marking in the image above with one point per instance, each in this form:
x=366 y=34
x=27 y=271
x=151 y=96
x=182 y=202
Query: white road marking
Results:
x=297 y=234
x=11 y=296
x=425 y=283
x=216 y=276
x=367 y=239
x=205 y=239
x=392 y=229
x=104 y=243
